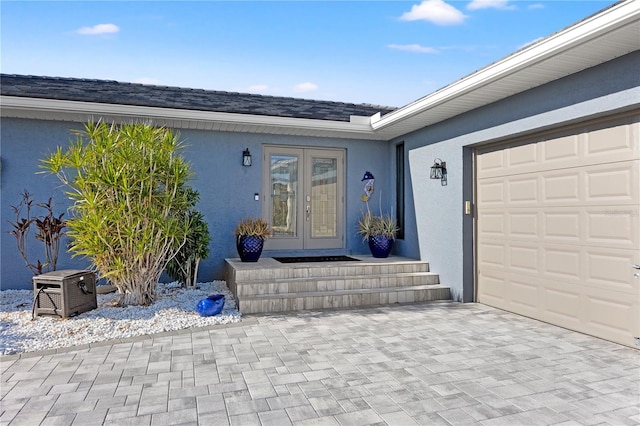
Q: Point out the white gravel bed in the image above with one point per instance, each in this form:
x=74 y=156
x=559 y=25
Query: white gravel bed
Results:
x=174 y=309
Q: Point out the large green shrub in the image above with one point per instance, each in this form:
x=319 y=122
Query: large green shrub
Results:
x=184 y=266
x=129 y=187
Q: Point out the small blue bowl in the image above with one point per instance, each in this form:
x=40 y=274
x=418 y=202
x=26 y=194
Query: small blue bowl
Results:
x=210 y=306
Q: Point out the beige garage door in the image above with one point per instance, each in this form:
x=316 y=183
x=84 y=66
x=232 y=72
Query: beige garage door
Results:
x=558 y=227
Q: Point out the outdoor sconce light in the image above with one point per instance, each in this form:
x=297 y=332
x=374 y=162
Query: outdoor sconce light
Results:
x=246 y=157
x=439 y=171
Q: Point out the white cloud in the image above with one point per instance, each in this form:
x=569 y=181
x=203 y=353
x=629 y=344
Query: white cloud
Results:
x=536 y=6
x=147 y=80
x=435 y=11
x=490 y=4
x=413 y=48
x=98 y=29
x=305 y=87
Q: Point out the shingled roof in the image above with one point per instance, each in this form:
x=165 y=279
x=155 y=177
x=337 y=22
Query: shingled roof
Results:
x=114 y=92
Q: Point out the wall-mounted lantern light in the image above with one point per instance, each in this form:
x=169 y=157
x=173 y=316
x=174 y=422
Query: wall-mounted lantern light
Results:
x=439 y=171
x=246 y=157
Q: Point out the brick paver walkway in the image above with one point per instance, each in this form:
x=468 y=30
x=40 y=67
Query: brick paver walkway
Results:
x=424 y=364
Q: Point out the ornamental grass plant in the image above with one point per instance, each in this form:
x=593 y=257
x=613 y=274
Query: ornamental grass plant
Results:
x=370 y=225
x=253 y=227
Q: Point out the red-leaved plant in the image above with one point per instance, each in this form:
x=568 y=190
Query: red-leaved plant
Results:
x=50 y=230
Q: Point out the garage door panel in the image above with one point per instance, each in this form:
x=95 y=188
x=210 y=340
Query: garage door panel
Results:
x=610 y=270
x=524 y=225
x=561 y=305
x=525 y=294
x=494 y=289
x=562 y=225
x=491 y=192
x=512 y=160
x=561 y=151
x=561 y=188
x=616 y=143
x=493 y=224
x=562 y=263
x=521 y=156
x=490 y=163
x=608 y=315
x=558 y=227
x=612 y=312
x=522 y=190
x=524 y=259
x=492 y=255
x=590 y=145
x=614 y=227
x=613 y=183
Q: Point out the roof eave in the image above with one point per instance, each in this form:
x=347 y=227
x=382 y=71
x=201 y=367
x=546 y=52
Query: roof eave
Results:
x=76 y=111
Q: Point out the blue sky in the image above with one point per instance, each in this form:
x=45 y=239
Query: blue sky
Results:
x=379 y=52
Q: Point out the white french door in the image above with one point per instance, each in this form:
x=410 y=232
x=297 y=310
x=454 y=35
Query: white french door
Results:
x=303 y=197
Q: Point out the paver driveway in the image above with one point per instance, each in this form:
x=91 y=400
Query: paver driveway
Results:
x=443 y=363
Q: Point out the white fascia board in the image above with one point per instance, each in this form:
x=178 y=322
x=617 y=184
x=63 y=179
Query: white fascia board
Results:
x=602 y=23
x=92 y=108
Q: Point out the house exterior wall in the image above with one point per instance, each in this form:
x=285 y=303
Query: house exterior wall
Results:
x=226 y=187
x=440 y=232
x=24 y=143
x=436 y=228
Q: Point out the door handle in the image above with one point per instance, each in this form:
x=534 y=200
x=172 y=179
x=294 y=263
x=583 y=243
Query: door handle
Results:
x=308 y=209
x=637 y=274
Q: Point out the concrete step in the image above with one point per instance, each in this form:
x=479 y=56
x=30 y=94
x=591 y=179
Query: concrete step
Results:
x=270 y=270
x=342 y=298
x=270 y=286
x=335 y=283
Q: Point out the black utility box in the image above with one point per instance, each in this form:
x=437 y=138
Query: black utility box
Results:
x=64 y=293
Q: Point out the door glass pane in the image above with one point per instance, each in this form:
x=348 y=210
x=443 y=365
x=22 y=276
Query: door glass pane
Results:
x=284 y=189
x=324 y=207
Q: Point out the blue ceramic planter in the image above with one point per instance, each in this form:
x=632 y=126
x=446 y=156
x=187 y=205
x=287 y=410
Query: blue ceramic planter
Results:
x=380 y=246
x=249 y=247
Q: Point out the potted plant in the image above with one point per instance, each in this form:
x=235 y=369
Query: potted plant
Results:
x=379 y=232
x=250 y=235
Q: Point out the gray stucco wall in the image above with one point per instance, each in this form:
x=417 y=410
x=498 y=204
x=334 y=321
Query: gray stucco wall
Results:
x=441 y=233
x=21 y=151
x=226 y=187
